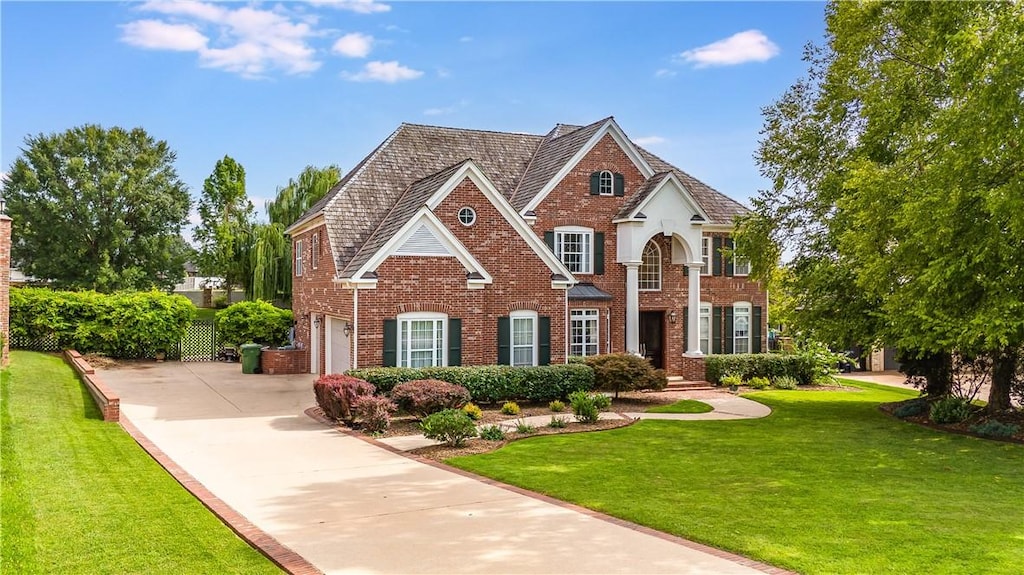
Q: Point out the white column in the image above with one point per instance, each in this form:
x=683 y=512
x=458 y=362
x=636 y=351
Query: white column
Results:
x=632 y=307
x=693 y=313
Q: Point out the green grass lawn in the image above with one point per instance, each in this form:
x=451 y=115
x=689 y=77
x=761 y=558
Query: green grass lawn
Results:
x=826 y=484
x=205 y=313
x=683 y=406
x=80 y=496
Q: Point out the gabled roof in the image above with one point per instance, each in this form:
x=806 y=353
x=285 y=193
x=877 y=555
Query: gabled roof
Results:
x=389 y=186
x=642 y=197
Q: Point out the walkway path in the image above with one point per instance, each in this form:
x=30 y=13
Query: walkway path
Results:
x=348 y=506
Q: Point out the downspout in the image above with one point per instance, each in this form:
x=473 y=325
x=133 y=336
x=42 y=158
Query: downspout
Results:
x=565 y=328
x=608 y=330
x=355 y=328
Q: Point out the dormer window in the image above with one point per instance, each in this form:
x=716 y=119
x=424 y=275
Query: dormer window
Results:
x=606 y=184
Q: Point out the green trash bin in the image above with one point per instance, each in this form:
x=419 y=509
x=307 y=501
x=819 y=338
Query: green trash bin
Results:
x=251 y=357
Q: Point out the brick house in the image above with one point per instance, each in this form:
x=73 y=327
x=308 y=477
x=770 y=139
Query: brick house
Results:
x=464 y=247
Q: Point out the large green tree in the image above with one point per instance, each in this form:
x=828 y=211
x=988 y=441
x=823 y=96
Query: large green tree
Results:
x=98 y=208
x=898 y=181
x=225 y=214
x=269 y=255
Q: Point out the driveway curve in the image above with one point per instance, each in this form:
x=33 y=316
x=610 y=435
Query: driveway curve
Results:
x=348 y=506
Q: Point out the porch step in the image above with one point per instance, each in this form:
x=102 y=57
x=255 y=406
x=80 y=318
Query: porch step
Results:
x=679 y=384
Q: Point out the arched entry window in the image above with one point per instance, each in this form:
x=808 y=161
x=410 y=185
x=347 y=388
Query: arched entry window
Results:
x=650 y=267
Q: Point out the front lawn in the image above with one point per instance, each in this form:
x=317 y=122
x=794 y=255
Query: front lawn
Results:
x=683 y=406
x=826 y=484
x=80 y=496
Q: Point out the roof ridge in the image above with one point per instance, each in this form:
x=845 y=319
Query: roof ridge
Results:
x=454 y=129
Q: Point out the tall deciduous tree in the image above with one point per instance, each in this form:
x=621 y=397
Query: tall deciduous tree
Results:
x=270 y=252
x=225 y=214
x=898 y=169
x=98 y=208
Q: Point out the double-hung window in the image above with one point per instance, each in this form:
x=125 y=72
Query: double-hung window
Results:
x=606 y=185
x=583 y=332
x=298 y=257
x=524 y=337
x=314 y=250
x=705 y=328
x=741 y=328
x=740 y=267
x=575 y=247
x=421 y=340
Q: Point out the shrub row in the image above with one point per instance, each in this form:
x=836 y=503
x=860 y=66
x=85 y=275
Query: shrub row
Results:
x=768 y=365
x=120 y=325
x=491 y=383
x=254 y=321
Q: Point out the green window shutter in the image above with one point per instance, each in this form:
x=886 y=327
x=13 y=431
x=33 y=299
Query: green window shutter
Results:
x=549 y=239
x=755 y=331
x=716 y=329
x=728 y=260
x=454 y=342
x=543 y=340
x=716 y=256
x=686 y=327
x=390 y=343
x=504 y=341
x=620 y=185
x=728 y=330
x=599 y=253
x=595 y=183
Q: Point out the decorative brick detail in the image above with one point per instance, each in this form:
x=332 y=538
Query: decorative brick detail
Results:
x=105 y=398
x=523 y=306
x=284 y=361
x=424 y=306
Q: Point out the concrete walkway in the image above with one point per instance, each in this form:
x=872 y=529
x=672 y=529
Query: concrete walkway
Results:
x=348 y=506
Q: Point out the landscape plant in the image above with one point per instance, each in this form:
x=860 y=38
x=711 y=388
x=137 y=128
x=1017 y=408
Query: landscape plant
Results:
x=510 y=408
x=375 y=412
x=557 y=422
x=950 y=409
x=584 y=408
x=759 y=383
x=423 y=397
x=451 y=426
x=492 y=433
x=254 y=321
x=617 y=372
x=337 y=395
x=473 y=411
x=785 y=382
x=557 y=406
x=492 y=383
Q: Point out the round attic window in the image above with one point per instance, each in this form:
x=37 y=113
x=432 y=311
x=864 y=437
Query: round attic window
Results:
x=467 y=216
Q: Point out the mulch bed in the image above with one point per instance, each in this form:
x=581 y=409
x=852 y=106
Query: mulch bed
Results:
x=1015 y=417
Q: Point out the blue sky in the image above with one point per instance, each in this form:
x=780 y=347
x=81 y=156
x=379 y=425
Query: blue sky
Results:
x=279 y=85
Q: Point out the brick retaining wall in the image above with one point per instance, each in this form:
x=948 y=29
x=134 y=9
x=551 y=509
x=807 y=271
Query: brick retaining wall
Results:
x=108 y=401
x=284 y=361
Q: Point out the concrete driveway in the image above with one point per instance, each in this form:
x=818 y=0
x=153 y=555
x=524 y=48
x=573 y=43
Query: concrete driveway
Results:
x=349 y=506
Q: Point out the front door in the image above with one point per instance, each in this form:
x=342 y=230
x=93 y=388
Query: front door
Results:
x=652 y=337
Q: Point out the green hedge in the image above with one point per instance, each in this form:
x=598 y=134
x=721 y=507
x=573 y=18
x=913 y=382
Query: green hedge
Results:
x=770 y=365
x=120 y=325
x=491 y=383
x=254 y=321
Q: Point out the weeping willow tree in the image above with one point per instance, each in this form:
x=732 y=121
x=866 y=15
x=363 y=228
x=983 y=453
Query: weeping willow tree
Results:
x=269 y=254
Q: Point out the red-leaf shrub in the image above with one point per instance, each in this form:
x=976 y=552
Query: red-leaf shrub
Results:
x=375 y=412
x=337 y=394
x=421 y=397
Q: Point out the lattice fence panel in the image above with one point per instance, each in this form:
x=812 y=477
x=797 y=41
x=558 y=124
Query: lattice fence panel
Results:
x=199 y=343
x=45 y=343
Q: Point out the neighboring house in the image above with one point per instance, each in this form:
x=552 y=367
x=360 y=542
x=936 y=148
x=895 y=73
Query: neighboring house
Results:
x=193 y=281
x=463 y=247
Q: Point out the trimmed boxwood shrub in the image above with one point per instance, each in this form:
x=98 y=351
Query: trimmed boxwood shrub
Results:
x=769 y=365
x=451 y=426
x=421 y=397
x=120 y=325
x=492 y=383
x=253 y=322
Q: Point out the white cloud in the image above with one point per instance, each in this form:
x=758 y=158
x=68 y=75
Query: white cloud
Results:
x=649 y=140
x=742 y=47
x=664 y=73
x=465 y=39
x=246 y=40
x=388 y=72
x=446 y=110
x=157 y=35
x=357 y=6
x=354 y=45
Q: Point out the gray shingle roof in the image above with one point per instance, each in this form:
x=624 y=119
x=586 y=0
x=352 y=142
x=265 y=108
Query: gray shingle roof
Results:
x=589 y=291
x=377 y=197
x=719 y=207
x=414 y=198
x=555 y=151
x=640 y=195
